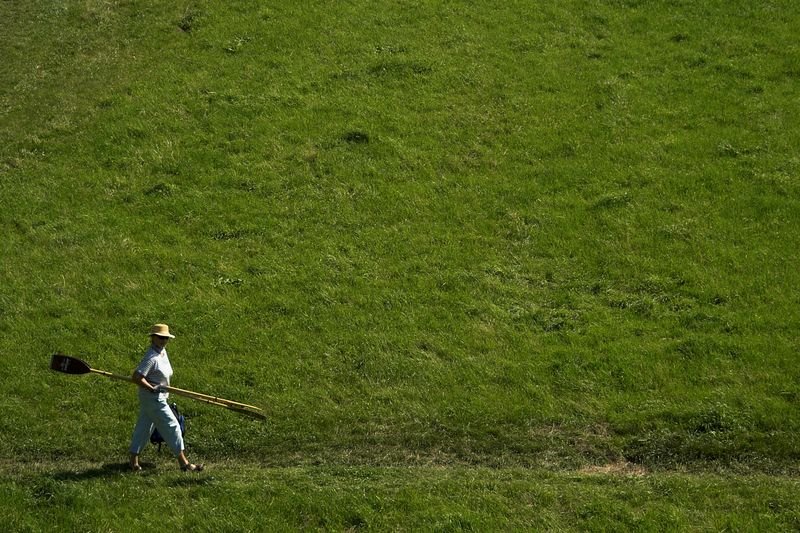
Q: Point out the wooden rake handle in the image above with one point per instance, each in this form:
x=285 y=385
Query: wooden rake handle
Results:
x=217 y=399
x=72 y=365
x=214 y=400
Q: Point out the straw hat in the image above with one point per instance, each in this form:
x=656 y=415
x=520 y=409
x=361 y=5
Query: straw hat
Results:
x=161 y=330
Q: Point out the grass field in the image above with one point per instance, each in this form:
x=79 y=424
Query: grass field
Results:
x=516 y=265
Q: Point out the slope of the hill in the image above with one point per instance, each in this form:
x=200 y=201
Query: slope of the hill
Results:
x=512 y=235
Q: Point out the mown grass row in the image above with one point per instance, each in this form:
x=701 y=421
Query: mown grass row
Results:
x=333 y=498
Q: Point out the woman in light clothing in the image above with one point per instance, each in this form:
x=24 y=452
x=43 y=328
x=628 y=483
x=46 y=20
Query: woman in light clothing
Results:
x=152 y=375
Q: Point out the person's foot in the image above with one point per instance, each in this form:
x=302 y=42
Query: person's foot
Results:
x=136 y=467
x=189 y=467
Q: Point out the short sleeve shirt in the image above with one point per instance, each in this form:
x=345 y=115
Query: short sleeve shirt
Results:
x=156 y=369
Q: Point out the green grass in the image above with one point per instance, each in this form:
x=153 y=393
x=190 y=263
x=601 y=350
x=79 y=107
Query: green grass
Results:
x=436 y=241
x=237 y=498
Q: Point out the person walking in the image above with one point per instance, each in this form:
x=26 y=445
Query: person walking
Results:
x=152 y=376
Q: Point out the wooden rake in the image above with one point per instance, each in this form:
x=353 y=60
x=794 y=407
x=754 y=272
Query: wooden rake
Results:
x=72 y=365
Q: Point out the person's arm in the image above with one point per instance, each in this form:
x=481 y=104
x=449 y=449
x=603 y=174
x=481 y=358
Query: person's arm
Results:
x=142 y=382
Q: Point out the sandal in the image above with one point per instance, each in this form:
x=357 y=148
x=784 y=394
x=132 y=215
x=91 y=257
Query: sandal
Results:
x=192 y=468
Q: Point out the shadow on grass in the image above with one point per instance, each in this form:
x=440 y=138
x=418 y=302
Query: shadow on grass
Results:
x=122 y=469
x=105 y=471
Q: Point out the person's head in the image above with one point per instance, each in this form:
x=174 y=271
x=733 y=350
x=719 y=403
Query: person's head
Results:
x=160 y=335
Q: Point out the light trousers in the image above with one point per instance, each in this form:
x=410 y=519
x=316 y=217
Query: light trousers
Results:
x=155 y=413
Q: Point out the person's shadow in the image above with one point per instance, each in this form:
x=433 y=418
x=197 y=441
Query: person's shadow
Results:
x=107 y=470
x=123 y=469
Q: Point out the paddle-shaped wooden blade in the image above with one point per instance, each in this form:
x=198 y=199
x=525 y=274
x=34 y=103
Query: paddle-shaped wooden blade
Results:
x=68 y=365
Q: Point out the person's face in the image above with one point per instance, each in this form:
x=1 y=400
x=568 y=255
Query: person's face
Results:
x=160 y=342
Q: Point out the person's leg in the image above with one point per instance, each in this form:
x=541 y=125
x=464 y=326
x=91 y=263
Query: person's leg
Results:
x=134 y=462
x=140 y=437
x=170 y=431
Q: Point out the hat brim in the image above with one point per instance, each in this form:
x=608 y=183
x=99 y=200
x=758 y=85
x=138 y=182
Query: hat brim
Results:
x=162 y=336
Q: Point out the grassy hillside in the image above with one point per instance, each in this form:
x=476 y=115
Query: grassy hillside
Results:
x=549 y=236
